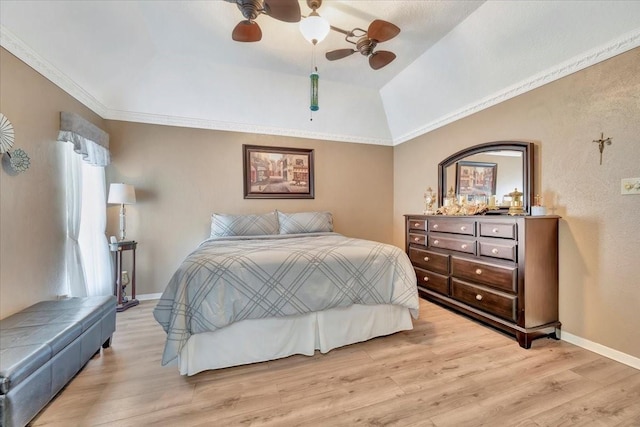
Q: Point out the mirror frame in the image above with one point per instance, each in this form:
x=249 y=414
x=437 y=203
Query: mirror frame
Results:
x=527 y=150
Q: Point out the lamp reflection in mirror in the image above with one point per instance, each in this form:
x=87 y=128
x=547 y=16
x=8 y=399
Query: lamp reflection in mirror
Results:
x=121 y=194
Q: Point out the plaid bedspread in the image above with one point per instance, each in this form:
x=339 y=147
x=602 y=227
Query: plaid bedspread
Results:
x=232 y=279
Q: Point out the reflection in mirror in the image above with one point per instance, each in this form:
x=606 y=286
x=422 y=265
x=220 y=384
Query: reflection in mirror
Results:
x=507 y=177
x=486 y=170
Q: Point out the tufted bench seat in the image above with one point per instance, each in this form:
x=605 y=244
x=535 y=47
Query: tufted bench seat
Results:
x=43 y=346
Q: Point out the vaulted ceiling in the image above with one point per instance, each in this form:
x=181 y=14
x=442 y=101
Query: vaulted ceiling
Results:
x=174 y=62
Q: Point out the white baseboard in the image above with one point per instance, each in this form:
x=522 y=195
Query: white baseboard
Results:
x=146 y=297
x=616 y=355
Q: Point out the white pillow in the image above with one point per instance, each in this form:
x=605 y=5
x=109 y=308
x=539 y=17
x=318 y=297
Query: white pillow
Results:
x=305 y=222
x=244 y=225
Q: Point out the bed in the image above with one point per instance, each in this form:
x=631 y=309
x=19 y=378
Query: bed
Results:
x=269 y=286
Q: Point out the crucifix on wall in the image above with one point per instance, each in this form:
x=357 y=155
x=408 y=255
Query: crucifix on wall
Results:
x=601 y=143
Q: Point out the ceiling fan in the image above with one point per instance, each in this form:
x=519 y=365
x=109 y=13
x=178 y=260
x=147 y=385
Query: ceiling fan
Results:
x=379 y=31
x=248 y=30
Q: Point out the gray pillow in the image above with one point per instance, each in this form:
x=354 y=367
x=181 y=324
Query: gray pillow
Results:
x=305 y=222
x=244 y=225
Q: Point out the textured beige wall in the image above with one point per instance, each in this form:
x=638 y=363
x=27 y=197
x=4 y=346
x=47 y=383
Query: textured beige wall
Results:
x=600 y=229
x=183 y=175
x=32 y=222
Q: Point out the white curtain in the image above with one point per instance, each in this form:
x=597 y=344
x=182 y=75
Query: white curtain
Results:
x=76 y=284
x=94 y=246
x=88 y=260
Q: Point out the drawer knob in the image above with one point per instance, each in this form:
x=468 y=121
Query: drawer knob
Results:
x=465 y=246
x=495 y=251
x=426 y=279
x=478 y=271
x=426 y=258
x=435 y=242
x=417 y=224
x=463 y=228
x=479 y=297
x=435 y=225
x=416 y=239
x=495 y=230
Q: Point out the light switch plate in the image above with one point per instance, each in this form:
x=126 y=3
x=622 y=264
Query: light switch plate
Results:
x=630 y=186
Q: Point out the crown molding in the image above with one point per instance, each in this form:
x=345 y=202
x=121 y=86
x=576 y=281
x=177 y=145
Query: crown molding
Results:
x=591 y=57
x=190 y=122
x=22 y=51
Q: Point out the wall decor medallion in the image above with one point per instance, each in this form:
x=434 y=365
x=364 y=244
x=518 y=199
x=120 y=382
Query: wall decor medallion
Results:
x=277 y=173
x=7 y=136
x=19 y=160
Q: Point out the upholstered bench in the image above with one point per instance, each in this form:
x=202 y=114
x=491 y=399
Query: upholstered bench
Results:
x=43 y=346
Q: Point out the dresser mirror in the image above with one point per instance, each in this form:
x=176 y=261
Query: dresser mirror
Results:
x=489 y=171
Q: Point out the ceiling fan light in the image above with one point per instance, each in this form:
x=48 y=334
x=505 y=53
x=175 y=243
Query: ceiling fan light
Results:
x=314 y=28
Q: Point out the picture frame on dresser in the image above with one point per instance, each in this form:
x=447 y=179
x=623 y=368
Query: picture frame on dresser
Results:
x=278 y=172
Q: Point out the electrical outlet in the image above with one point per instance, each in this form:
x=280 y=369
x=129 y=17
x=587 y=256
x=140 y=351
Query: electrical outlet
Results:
x=630 y=186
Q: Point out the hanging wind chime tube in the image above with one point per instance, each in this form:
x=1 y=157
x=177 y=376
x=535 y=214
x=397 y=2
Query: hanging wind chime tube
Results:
x=314 y=76
x=314 y=90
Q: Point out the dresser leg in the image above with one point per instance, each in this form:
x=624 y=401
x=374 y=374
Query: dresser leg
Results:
x=524 y=339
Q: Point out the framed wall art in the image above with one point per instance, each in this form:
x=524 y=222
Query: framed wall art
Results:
x=476 y=178
x=277 y=172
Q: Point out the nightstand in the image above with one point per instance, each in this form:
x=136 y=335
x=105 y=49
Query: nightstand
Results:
x=118 y=248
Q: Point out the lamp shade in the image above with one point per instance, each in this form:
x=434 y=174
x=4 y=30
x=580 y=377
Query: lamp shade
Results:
x=314 y=28
x=121 y=194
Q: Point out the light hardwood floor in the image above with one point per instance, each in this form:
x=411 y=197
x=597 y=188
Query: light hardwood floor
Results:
x=447 y=371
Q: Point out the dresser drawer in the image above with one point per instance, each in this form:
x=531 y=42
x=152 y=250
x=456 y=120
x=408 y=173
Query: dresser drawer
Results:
x=417 y=224
x=496 y=276
x=495 y=302
x=501 y=249
x=460 y=226
x=430 y=260
x=418 y=239
x=433 y=281
x=461 y=245
x=493 y=229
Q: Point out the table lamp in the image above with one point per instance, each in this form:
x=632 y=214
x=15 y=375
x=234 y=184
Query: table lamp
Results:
x=122 y=194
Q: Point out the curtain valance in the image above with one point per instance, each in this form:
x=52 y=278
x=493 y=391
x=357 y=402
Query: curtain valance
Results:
x=88 y=140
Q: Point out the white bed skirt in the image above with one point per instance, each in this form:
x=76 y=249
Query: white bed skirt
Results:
x=259 y=340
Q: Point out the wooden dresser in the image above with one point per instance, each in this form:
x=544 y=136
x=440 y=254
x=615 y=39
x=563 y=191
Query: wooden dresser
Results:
x=501 y=270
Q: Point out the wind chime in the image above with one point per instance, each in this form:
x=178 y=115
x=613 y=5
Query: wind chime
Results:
x=314 y=28
x=314 y=76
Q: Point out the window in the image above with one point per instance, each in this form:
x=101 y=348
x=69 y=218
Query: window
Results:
x=87 y=260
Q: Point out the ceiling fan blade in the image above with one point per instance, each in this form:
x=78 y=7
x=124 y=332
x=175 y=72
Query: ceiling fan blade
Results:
x=338 y=54
x=381 y=58
x=381 y=31
x=283 y=10
x=247 y=31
